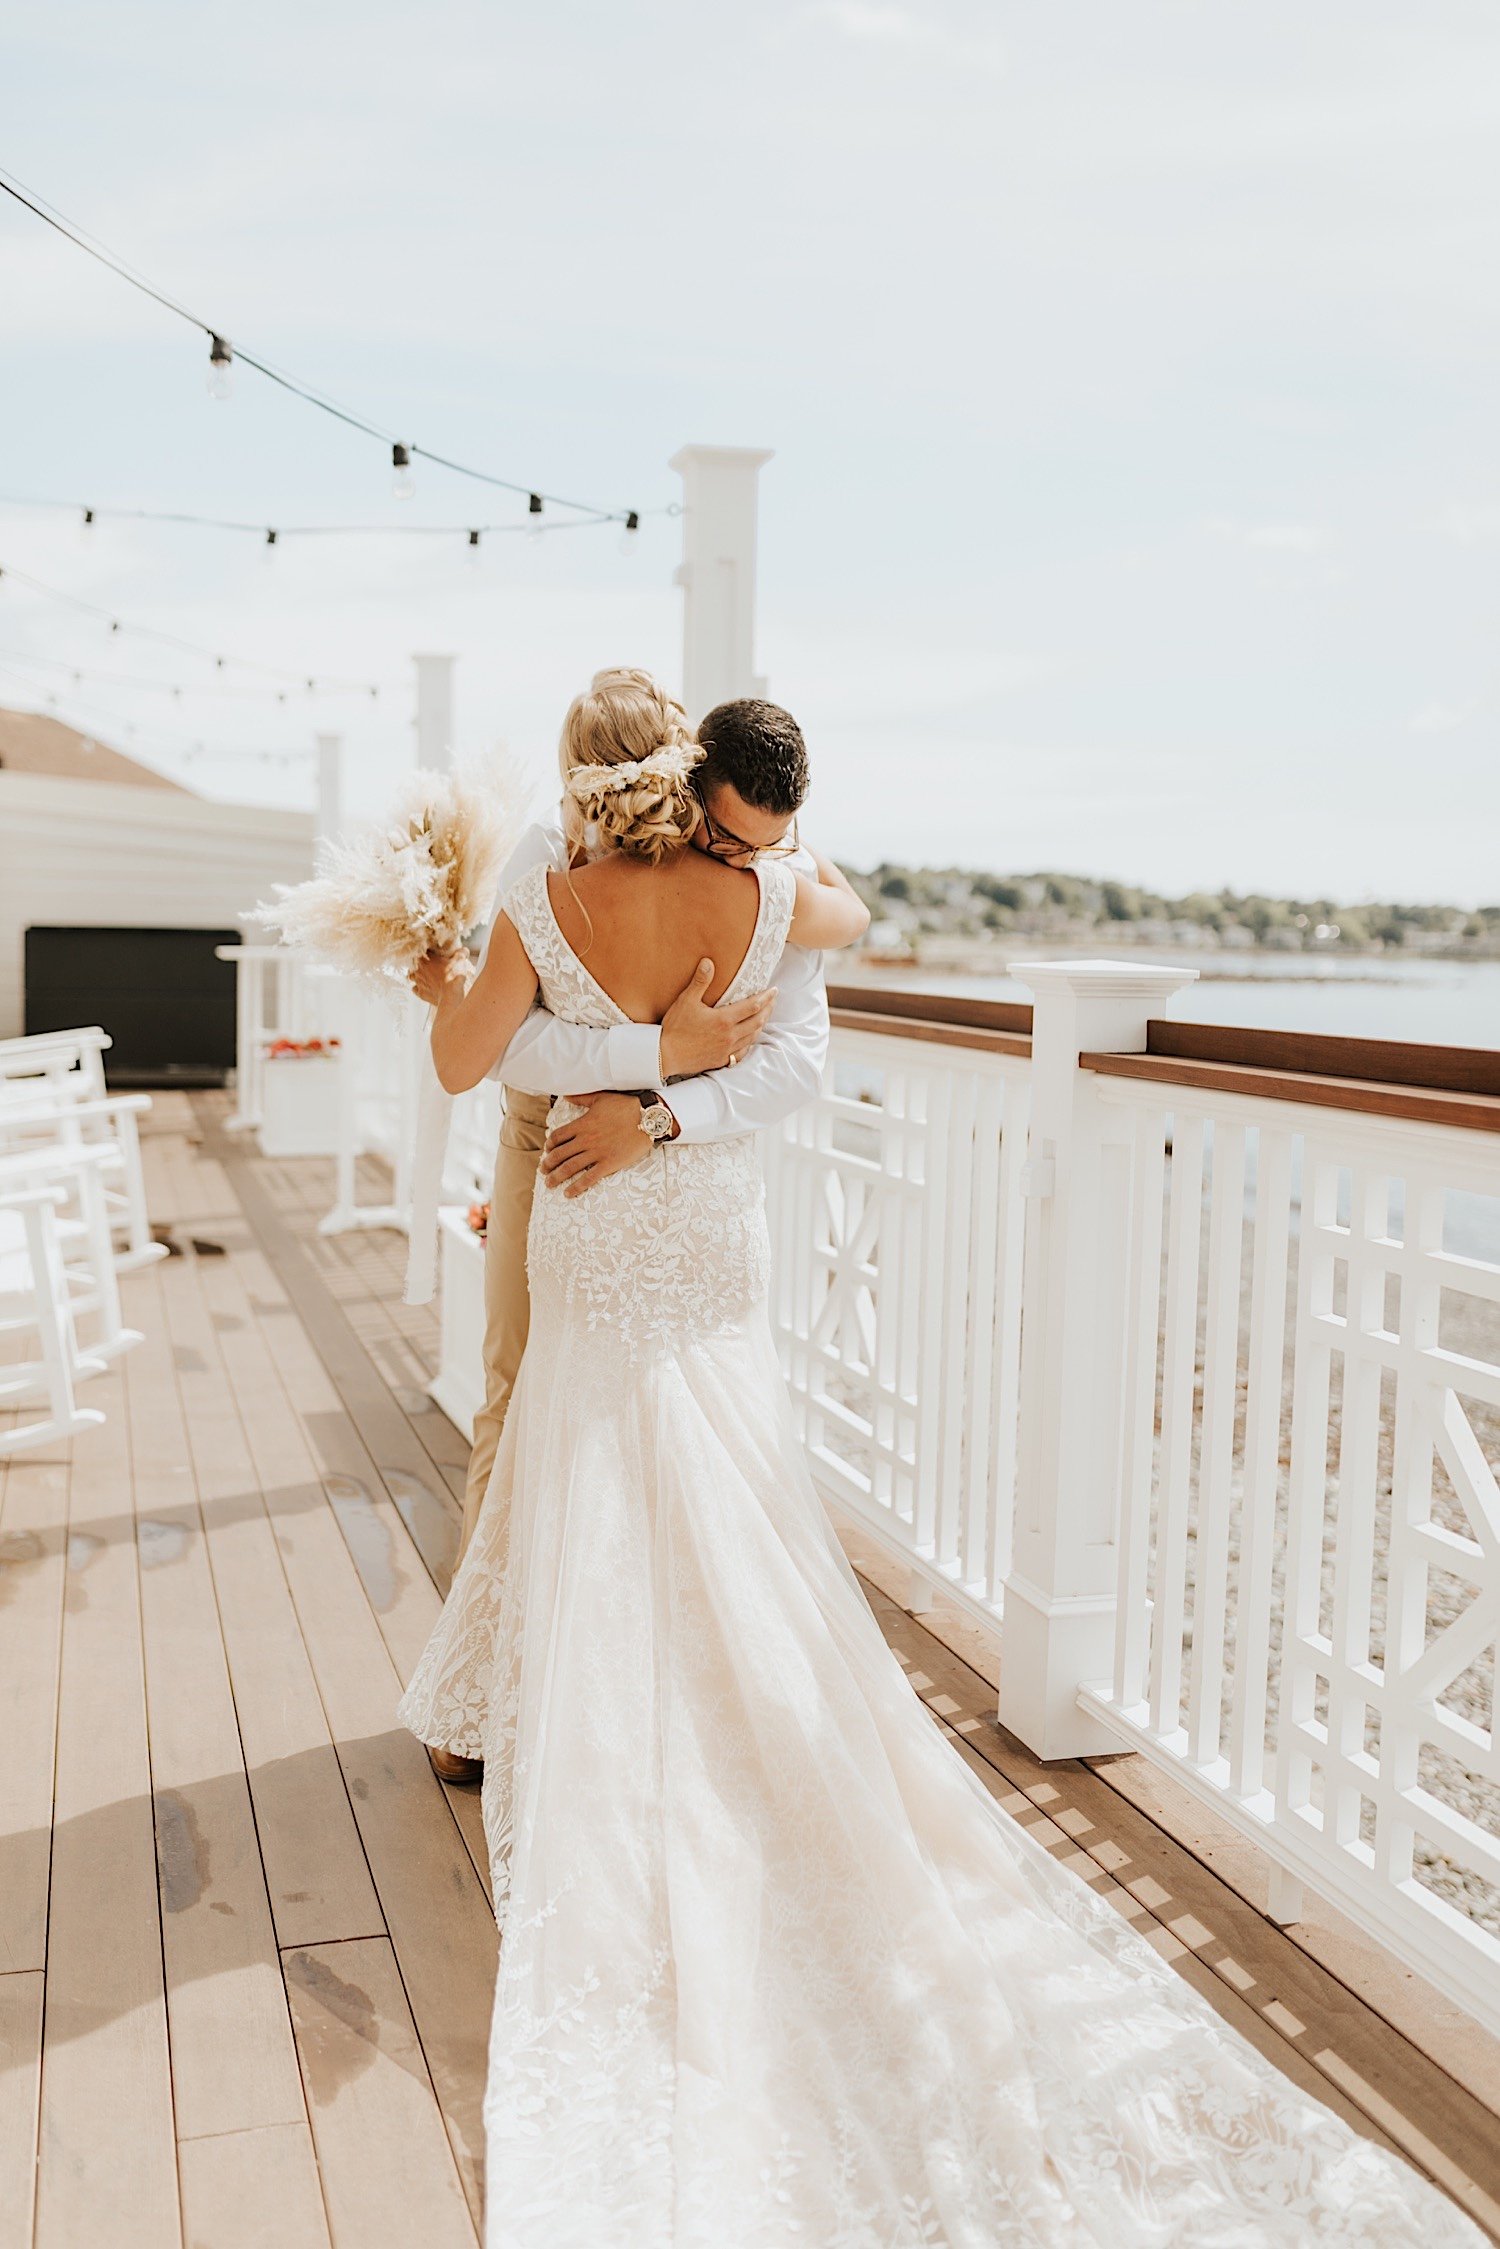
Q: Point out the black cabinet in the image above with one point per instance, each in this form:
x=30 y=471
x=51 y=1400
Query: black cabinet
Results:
x=164 y=999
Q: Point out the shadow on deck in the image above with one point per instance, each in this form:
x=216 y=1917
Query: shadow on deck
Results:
x=246 y=1952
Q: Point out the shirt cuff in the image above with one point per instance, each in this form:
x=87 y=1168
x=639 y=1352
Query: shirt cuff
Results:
x=693 y=1103
x=635 y=1055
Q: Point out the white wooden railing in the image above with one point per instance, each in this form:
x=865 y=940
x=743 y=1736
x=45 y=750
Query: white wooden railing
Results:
x=1184 y=1383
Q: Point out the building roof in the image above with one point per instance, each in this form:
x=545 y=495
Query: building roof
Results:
x=30 y=743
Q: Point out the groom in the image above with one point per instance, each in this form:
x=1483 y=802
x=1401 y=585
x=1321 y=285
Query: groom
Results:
x=743 y=1067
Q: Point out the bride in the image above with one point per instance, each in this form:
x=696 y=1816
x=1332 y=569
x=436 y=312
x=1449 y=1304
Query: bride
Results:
x=776 y=1971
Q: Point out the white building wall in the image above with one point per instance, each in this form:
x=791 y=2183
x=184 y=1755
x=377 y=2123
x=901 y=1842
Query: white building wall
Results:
x=90 y=854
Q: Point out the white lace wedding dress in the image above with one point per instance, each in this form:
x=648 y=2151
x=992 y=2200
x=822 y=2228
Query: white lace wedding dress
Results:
x=776 y=1972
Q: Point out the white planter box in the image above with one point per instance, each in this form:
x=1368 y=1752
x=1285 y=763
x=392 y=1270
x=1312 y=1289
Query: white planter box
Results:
x=459 y=1384
x=300 y=1105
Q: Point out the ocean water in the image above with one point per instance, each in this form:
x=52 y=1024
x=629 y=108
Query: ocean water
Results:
x=1434 y=1002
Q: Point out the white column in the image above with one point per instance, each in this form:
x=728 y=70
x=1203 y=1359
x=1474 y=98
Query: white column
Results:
x=717 y=573
x=435 y=735
x=1060 y=1592
x=330 y=787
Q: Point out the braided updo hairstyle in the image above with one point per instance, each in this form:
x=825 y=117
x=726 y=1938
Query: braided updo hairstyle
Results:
x=627 y=754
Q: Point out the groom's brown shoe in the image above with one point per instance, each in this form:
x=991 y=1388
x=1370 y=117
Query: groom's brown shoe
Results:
x=458 y=1772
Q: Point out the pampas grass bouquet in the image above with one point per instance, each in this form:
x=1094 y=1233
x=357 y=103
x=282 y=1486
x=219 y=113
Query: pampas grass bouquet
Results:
x=417 y=883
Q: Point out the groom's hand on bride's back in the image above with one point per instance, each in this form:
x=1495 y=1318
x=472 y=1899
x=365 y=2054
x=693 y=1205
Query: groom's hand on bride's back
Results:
x=696 y=1037
x=607 y=1138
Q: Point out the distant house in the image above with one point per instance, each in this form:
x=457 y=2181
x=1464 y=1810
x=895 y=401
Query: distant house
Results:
x=89 y=839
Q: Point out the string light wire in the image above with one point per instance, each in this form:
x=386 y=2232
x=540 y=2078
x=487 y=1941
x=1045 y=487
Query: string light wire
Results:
x=85 y=674
x=222 y=352
x=194 y=745
x=321 y=683
x=473 y=532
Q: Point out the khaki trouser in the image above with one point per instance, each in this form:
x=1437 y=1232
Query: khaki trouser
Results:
x=507 y=1299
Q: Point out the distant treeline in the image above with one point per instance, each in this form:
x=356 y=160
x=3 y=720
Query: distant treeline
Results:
x=954 y=902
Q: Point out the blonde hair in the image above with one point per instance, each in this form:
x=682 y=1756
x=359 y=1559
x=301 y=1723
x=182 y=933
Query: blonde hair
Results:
x=627 y=754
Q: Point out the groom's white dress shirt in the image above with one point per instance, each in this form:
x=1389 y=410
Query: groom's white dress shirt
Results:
x=782 y=1070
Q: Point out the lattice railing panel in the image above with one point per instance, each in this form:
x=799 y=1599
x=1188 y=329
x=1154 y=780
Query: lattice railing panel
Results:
x=896 y=1216
x=1309 y=1548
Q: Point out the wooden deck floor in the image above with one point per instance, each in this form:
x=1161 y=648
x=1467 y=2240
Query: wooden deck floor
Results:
x=246 y=1952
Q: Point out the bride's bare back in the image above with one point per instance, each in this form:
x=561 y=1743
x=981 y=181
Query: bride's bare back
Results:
x=652 y=925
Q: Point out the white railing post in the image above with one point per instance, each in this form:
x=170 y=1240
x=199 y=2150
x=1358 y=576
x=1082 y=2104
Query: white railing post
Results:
x=435 y=725
x=256 y=1012
x=1060 y=1593
x=330 y=787
x=717 y=573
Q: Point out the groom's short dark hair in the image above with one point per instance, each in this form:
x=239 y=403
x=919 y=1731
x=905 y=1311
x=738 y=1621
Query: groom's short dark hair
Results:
x=758 y=749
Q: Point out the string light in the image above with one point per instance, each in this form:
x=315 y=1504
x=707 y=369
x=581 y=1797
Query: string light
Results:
x=81 y=239
x=328 y=685
x=405 y=484
x=535 y=522
x=220 y=368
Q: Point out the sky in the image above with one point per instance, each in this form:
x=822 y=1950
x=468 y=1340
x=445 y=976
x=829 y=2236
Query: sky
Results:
x=1130 y=371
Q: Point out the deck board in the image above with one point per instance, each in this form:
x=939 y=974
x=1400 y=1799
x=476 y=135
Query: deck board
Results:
x=107 y=2131
x=317 y=1875
x=234 y=2065
x=272 y=1998
x=21 y=1996
x=33 y=1569
x=388 y=2172
x=230 y=2180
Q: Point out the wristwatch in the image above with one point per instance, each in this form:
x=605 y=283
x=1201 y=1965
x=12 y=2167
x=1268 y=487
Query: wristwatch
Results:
x=657 y=1120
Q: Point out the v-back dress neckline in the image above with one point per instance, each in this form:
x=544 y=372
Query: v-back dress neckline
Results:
x=581 y=968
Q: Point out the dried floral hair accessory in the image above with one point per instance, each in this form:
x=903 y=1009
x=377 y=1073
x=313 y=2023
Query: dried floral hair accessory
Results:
x=674 y=761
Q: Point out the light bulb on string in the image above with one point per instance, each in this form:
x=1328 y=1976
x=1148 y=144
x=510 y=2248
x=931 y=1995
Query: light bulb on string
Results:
x=630 y=536
x=220 y=368
x=268 y=547
x=534 y=516
x=85 y=525
x=404 y=483
x=473 y=547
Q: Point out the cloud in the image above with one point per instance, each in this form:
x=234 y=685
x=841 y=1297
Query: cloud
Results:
x=1275 y=538
x=1470 y=523
x=1440 y=718
x=883 y=23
